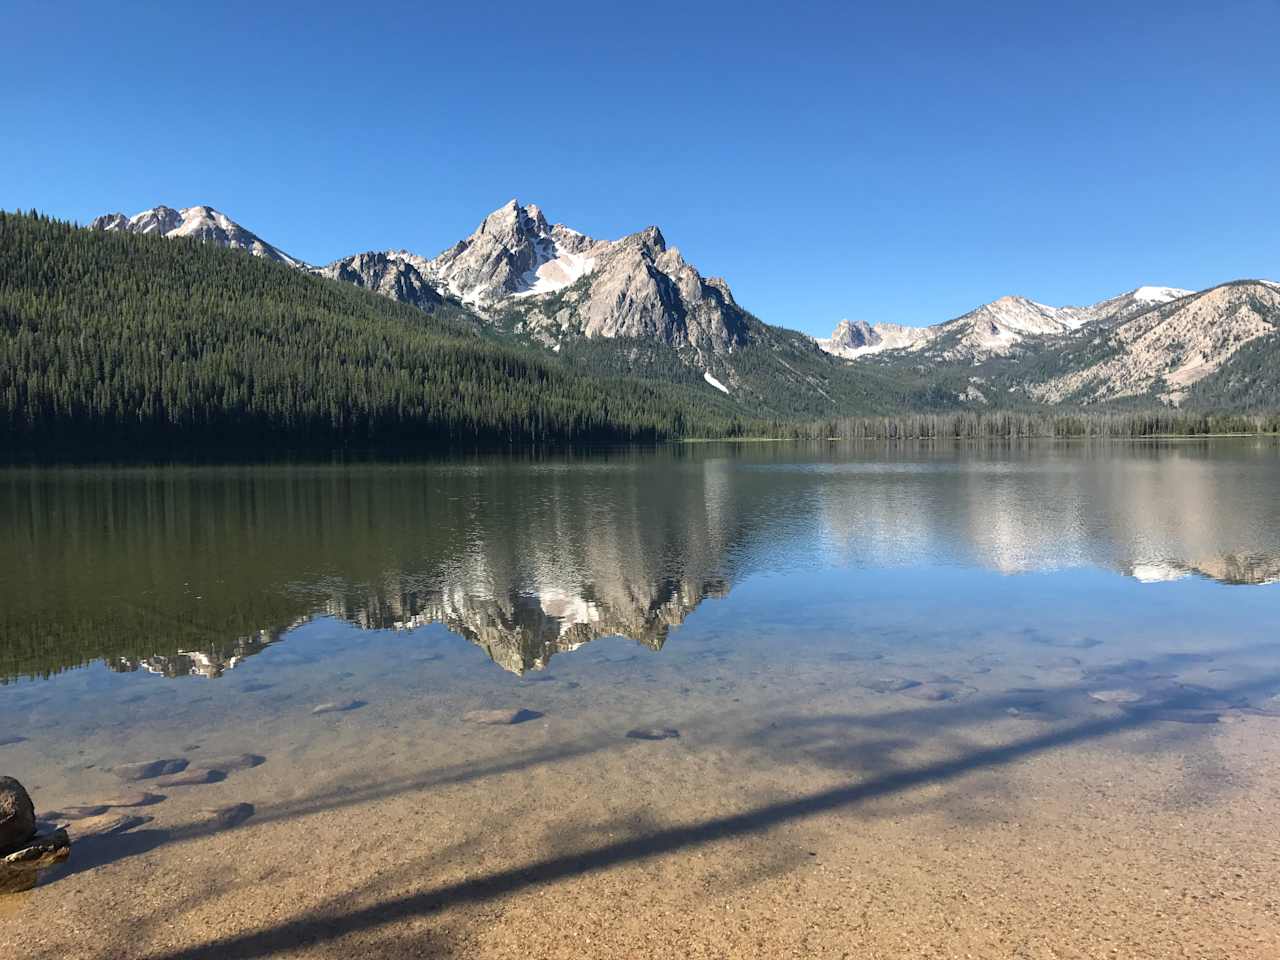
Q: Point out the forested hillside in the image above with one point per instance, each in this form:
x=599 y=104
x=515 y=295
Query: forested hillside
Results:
x=112 y=340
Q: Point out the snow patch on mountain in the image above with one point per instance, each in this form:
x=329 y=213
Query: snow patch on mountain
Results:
x=706 y=375
x=1159 y=294
x=554 y=270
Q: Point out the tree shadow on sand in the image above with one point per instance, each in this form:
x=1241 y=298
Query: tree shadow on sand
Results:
x=883 y=779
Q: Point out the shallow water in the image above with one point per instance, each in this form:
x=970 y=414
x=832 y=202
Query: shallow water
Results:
x=885 y=701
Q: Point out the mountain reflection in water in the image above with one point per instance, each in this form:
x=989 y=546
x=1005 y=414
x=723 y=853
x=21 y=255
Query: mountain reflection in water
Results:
x=186 y=570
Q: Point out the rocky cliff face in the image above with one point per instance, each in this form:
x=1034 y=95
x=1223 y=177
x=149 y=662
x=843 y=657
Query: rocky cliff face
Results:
x=394 y=275
x=1166 y=349
x=855 y=338
x=640 y=288
x=552 y=282
x=198 y=223
x=514 y=252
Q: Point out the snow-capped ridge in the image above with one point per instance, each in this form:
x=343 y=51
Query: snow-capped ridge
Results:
x=1159 y=294
x=200 y=222
x=995 y=328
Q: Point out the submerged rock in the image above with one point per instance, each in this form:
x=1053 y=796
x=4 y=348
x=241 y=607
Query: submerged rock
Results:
x=224 y=818
x=135 y=798
x=240 y=761
x=498 y=718
x=107 y=823
x=75 y=813
x=931 y=692
x=18 y=868
x=890 y=684
x=653 y=733
x=1115 y=696
x=856 y=656
x=146 y=769
x=17 y=815
x=191 y=778
x=9 y=741
x=339 y=706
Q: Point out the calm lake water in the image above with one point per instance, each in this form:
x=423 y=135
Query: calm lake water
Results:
x=770 y=700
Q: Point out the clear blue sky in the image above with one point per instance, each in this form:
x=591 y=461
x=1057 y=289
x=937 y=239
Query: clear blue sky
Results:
x=893 y=161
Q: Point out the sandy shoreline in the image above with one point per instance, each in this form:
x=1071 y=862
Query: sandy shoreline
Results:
x=799 y=814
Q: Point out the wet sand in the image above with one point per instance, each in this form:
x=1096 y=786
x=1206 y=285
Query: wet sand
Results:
x=799 y=813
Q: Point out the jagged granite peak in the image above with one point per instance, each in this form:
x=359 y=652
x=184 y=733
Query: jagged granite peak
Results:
x=854 y=338
x=641 y=288
x=393 y=274
x=513 y=252
x=634 y=287
x=199 y=223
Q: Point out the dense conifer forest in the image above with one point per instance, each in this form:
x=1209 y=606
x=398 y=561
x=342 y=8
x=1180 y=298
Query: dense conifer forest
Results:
x=114 y=345
x=110 y=341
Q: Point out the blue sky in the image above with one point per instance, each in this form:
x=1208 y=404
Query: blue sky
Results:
x=892 y=161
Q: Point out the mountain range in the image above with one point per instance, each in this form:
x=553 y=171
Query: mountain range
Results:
x=635 y=305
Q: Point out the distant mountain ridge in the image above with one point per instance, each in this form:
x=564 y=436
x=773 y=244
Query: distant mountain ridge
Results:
x=198 y=223
x=516 y=263
x=634 y=305
x=993 y=328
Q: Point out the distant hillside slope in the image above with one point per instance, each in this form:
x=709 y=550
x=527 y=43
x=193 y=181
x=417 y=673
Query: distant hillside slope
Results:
x=108 y=337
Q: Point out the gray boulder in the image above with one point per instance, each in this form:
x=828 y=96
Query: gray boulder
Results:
x=17 y=815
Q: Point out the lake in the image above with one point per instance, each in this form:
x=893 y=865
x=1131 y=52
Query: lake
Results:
x=755 y=700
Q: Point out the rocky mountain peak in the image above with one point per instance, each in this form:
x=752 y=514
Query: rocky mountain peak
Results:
x=514 y=226
x=649 y=240
x=855 y=338
x=502 y=257
x=199 y=223
x=391 y=274
x=109 y=222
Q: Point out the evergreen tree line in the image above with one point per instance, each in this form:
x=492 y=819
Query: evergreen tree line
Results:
x=114 y=344
x=999 y=425
x=110 y=340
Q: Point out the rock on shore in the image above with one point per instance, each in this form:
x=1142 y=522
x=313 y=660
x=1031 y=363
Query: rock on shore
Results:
x=17 y=815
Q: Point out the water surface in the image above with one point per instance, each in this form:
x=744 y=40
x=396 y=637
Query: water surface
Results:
x=928 y=699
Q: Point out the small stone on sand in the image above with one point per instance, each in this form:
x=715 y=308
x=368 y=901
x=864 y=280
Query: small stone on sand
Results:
x=890 y=684
x=225 y=818
x=107 y=823
x=340 y=706
x=653 y=733
x=191 y=778
x=498 y=718
x=931 y=692
x=136 y=798
x=1115 y=696
x=146 y=769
